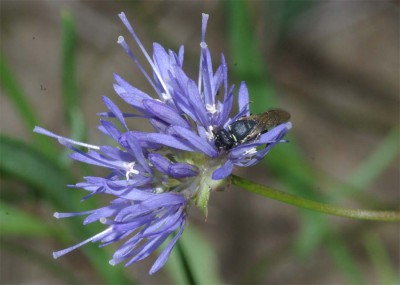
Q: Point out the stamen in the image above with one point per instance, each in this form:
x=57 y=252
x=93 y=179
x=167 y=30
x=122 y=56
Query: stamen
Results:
x=131 y=170
x=158 y=190
x=166 y=96
x=211 y=108
x=210 y=133
x=250 y=152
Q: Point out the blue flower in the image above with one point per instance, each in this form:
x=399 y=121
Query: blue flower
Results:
x=155 y=176
x=141 y=210
x=188 y=112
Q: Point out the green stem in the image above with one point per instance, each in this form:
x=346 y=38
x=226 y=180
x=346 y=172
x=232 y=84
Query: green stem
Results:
x=185 y=264
x=385 y=216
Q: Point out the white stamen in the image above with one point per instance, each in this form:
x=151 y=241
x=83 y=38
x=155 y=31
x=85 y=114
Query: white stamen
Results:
x=210 y=133
x=131 y=171
x=211 y=108
x=166 y=96
x=158 y=190
x=250 y=152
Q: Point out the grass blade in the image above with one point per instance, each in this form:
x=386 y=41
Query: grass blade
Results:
x=70 y=91
x=15 y=93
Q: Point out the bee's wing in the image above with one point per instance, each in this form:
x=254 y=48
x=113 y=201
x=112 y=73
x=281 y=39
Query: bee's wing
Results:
x=266 y=120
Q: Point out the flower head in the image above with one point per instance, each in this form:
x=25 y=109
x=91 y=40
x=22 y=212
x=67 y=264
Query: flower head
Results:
x=155 y=176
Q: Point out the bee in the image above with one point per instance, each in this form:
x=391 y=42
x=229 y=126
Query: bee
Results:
x=248 y=128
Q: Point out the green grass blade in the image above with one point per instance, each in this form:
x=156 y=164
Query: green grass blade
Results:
x=14 y=222
x=381 y=261
x=200 y=256
x=27 y=253
x=15 y=93
x=342 y=257
x=376 y=163
x=24 y=162
x=70 y=91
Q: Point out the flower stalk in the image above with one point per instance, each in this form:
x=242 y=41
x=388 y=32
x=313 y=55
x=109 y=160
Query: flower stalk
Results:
x=382 y=216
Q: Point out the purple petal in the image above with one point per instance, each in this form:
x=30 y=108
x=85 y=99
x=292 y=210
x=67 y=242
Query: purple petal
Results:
x=161 y=60
x=111 y=130
x=137 y=150
x=196 y=141
x=115 y=110
x=181 y=55
x=207 y=74
x=163 y=139
x=197 y=103
x=163 y=257
x=166 y=113
x=227 y=107
x=128 y=93
x=244 y=98
x=224 y=171
x=160 y=162
x=148 y=248
x=182 y=170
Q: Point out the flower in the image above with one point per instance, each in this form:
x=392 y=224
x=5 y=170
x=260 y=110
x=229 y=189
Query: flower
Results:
x=138 y=211
x=156 y=176
x=186 y=114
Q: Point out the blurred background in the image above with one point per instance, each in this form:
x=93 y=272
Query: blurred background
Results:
x=334 y=65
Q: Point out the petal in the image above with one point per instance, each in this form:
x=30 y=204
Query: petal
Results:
x=160 y=162
x=110 y=129
x=224 y=171
x=163 y=257
x=182 y=170
x=207 y=74
x=244 y=98
x=137 y=152
x=115 y=110
x=161 y=60
x=128 y=93
x=165 y=113
x=45 y=132
x=194 y=140
x=163 y=139
x=227 y=107
x=67 y=250
x=197 y=103
x=181 y=55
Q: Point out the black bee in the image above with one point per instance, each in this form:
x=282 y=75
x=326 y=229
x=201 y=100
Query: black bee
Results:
x=248 y=128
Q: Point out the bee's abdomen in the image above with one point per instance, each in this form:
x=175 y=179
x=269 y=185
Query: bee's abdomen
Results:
x=240 y=129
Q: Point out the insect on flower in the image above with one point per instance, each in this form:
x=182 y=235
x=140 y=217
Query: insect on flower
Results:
x=248 y=128
x=154 y=177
